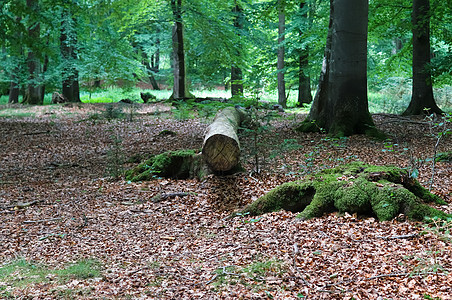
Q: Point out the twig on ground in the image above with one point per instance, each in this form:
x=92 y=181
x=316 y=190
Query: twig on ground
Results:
x=163 y=196
x=41 y=221
x=405 y=236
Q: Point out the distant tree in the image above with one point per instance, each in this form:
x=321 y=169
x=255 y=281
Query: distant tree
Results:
x=422 y=100
x=68 y=44
x=342 y=109
x=180 y=90
x=236 y=72
x=304 y=80
x=33 y=92
x=282 y=100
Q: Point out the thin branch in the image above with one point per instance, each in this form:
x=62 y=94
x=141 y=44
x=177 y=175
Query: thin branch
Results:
x=41 y=221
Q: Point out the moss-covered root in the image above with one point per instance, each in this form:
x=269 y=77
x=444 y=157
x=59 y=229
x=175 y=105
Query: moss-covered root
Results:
x=383 y=192
x=179 y=164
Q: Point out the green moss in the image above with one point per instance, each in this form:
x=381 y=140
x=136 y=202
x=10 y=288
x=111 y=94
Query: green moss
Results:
x=383 y=191
x=291 y=196
x=172 y=164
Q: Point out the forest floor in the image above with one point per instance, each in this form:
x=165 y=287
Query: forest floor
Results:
x=59 y=205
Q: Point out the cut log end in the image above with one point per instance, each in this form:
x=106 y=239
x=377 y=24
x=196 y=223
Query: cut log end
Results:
x=221 y=152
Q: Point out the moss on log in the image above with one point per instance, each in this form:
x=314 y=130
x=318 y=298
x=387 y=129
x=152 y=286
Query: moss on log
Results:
x=179 y=164
x=380 y=191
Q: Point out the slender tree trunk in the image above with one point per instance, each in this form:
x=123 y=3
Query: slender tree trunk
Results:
x=236 y=72
x=422 y=100
x=44 y=70
x=68 y=42
x=154 y=66
x=342 y=109
x=179 y=88
x=149 y=65
x=33 y=91
x=14 y=88
x=280 y=65
x=304 y=80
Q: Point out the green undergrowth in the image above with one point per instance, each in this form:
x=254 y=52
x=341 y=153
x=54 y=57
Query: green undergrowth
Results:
x=380 y=191
x=22 y=273
x=178 y=164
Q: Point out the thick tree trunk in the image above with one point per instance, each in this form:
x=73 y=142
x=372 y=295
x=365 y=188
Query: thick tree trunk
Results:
x=422 y=101
x=236 y=72
x=304 y=80
x=317 y=115
x=280 y=64
x=221 y=147
x=345 y=111
x=179 y=88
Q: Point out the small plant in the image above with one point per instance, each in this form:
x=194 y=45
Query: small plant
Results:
x=115 y=157
x=439 y=128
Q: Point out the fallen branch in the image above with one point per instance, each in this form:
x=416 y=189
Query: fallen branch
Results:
x=41 y=221
x=405 y=236
x=161 y=196
x=21 y=205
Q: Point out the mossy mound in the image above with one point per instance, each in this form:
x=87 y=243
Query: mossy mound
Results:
x=179 y=164
x=380 y=191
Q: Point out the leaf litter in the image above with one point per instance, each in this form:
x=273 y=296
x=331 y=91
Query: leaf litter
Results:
x=188 y=246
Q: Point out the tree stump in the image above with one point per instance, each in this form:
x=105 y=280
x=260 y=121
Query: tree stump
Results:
x=380 y=191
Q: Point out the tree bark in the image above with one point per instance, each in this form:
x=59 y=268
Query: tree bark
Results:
x=221 y=147
x=14 y=88
x=317 y=114
x=344 y=111
x=236 y=72
x=33 y=91
x=280 y=64
x=422 y=100
x=304 y=80
x=68 y=42
x=179 y=87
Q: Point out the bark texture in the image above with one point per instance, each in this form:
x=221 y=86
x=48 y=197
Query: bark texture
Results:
x=221 y=147
x=179 y=88
x=33 y=90
x=342 y=109
x=236 y=72
x=422 y=100
x=281 y=49
x=304 y=80
x=68 y=42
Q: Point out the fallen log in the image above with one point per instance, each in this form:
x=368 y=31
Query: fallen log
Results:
x=221 y=147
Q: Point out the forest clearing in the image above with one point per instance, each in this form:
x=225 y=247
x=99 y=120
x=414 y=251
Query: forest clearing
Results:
x=226 y=149
x=174 y=239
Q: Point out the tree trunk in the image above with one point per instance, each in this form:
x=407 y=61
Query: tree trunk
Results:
x=148 y=64
x=14 y=88
x=236 y=72
x=179 y=88
x=280 y=64
x=304 y=80
x=68 y=41
x=317 y=114
x=422 y=100
x=33 y=91
x=345 y=111
x=221 y=147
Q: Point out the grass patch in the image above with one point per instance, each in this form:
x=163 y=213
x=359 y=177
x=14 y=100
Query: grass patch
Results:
x=21 y=273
